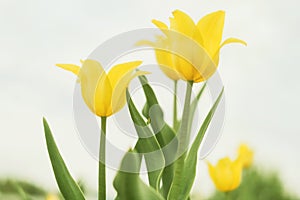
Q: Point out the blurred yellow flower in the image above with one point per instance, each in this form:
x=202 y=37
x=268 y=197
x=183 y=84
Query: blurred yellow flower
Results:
x=226 y=175
x=52 y=197
x=207 y=34
x=104 y=94
x=245 y=155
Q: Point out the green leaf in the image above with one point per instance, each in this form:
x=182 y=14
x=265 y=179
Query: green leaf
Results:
x=190 y=163
x=66 y=184
x=128 y=185
x=147 y=144
x=163 y=132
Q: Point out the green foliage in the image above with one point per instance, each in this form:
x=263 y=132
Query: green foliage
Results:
x=67 y=185
x=16 y=189
x=128 y=185
x=164 y=134
x=11 y=186
x=257 y=185
x=147 y=143
x=190 y=162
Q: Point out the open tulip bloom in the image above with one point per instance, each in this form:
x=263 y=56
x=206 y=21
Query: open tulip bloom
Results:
x=197 y=48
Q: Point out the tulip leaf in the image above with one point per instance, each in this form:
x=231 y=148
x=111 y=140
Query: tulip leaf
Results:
x=163 y=132
x=148 y=145
x=128 y=185
x=190 y=162
x=66 y=184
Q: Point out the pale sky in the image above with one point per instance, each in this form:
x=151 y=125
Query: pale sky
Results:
x=261 y=80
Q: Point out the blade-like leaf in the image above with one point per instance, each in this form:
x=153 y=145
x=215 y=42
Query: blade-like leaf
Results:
x=163 y=132
x=128 y=185
x=67 y=185
x=146 y=144
x=190 y=163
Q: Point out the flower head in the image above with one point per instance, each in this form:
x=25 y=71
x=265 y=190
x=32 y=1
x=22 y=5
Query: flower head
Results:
x=52 y=197
x=199 y=60
x=245 y=155
x=226 y=175
x=104 y=93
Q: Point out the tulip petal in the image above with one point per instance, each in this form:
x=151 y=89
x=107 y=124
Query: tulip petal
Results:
x=70 y=67
x=119 y=90
x=236 y=168
x=211 y=28
x=227 y=41
x=159 y=24
x=95 y=87
x=145 y=43
x=233 y=40
x=182 y=23
x=165 y=59
x=162 y=26
x=118 y=71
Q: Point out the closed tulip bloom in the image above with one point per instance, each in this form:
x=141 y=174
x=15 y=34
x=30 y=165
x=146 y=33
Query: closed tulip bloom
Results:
x=245 y=155
x=226 y=175
x=104 y=93
x=199 y=61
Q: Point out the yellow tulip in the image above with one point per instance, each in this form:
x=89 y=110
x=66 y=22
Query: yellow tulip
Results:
x=226 y=175
x=104 y=93
x=245 y=155
x=163 y=57
x=207 y=34
x=52 y=197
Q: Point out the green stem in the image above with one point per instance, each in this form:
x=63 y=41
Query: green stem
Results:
x=227 y=195
x=182 y=143
x=185 y=119
x=102 y=168
x=175 y=106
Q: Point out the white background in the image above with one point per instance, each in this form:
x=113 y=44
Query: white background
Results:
x=261 y=80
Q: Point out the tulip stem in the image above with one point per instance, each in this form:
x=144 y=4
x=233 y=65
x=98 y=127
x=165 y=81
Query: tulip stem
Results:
x=102 y=168
x=182 y=145
x=227 y=195
x=175 y=106
x=182 y=134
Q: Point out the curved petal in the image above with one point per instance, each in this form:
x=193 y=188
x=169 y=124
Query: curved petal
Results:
x=165 y=58
x=182 y=23
x=145 y=43
x=118 y=71
x=119 y=91
x=159 y=24
x=233 y=40
x=162 y=26
x=70 y=67
x=95 y=87
x=227 y=41
x=211 y=28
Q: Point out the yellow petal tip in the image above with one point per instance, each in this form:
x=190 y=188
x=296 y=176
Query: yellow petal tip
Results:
x=69 y=67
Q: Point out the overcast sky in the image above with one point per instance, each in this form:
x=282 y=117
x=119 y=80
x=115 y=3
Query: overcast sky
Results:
x=261 y=80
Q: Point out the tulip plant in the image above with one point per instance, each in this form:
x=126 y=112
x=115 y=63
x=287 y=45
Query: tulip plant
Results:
x=106 y=93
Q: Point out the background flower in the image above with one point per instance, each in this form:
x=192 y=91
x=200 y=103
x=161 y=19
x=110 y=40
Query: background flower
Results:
x=226 y=175
x=245 y=155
